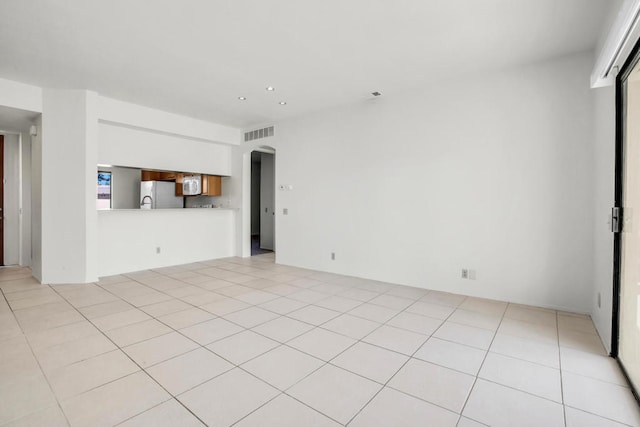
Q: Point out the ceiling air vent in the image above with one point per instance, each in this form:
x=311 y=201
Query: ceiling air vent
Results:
x=258 y=133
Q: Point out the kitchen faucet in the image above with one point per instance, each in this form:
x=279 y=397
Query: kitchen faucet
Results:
x=142 y=203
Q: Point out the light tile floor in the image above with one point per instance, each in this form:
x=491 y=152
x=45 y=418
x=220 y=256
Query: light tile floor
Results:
x=247 y=342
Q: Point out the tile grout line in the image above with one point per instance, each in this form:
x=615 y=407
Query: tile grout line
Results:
x=204 y=347
x=325 y=363
x=176 y=331
x=318 y=326
x=152 y=317
x=233 y=364
x=138 y=365
x=200 y=346
x=484 y=359
x=329 y=361
x=46 y=378
x=192 y=306
x=600 y=416
x=402 y=354
x=283 y=392
x=403 y=365
x=564 y=409
x=222 y=316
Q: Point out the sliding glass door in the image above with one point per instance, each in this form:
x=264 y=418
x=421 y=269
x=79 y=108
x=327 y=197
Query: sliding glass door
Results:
x=628 y=219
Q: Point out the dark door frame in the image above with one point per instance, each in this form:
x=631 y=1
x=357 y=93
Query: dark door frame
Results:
x=621 y=80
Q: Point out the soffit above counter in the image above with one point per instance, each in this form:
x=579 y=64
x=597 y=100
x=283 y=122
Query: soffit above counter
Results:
x=123 y=113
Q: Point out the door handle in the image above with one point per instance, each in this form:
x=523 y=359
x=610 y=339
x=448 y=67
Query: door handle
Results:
x=616 y=219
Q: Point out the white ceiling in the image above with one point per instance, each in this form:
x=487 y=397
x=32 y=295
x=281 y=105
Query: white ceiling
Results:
x=195 y=57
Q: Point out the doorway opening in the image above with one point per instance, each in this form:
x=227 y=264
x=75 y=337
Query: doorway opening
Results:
x=262 y=202
x=17 y=130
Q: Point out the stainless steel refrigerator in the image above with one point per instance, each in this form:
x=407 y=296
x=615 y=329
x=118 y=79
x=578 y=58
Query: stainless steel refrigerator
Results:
x=159 y=195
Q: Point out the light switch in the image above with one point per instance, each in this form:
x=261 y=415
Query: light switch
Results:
x=285 y=211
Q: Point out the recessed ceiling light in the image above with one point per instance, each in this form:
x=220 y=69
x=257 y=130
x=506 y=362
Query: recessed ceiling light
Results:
x=242 y=98
x=282 y=103
x=270 y=88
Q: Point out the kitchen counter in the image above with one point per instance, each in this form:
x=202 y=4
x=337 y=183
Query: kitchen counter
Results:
x=131 y=241
x=169 y=209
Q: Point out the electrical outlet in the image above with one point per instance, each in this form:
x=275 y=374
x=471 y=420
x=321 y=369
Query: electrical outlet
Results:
x=599 y=300
x=333 y=256
x=285 y=211
x=472 y=275
x=465 y=273
x=157 y=249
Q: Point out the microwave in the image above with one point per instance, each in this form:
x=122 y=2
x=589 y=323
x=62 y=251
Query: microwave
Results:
x=192 y=185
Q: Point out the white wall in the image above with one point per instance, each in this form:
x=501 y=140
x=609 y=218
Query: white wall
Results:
x=122 y=146
x=493 y=173
x=11 y=210
x=69 y=218
x=603 y=187
x=128 y=238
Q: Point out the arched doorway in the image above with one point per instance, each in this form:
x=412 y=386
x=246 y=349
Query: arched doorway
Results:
x=262 y=201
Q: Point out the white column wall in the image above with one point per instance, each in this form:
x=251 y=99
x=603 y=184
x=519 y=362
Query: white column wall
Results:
x=69 y=166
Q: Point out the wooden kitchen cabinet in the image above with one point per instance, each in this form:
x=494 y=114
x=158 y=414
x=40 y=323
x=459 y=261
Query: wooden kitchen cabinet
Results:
x=179 y=178
x=167 y=176
x=211 y=185
x=147 y=175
